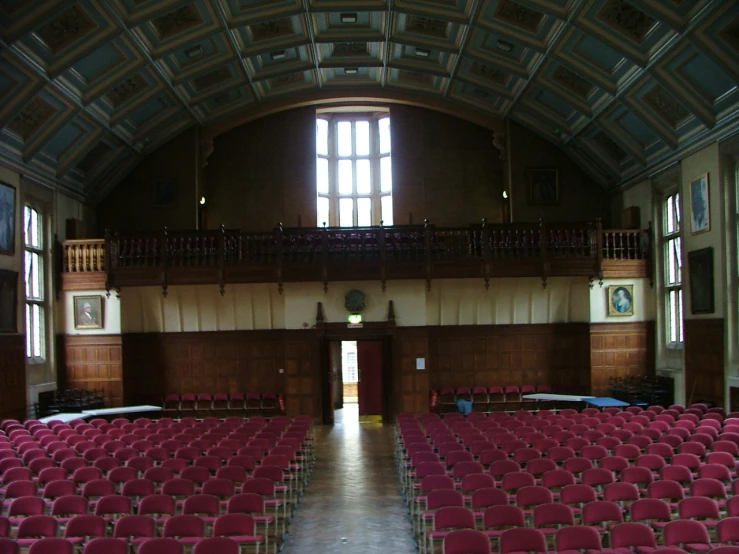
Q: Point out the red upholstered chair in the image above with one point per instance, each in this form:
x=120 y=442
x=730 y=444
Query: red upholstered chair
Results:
x=105 y=546
x=135 y=530
x=161 y=546
x=466 y=541
x=523 y=540
x=187 y=529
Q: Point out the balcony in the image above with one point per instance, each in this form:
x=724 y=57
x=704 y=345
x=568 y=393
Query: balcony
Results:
x=484 y=251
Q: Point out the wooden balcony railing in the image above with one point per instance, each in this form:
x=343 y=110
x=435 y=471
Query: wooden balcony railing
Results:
x=398 y=252
x=83 y=256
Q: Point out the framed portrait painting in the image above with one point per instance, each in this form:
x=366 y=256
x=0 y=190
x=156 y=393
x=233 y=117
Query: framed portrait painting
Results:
x=8 y=301
x=620 y=300
x=543 y=186
x=700 y=270
x=700 y=205
x=165 y=193
x=7 y=219
x=88 y=312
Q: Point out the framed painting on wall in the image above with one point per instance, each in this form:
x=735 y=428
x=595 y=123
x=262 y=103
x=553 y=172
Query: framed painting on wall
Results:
x=88 y=312
x=543 y=186
x=700 y=205
x=8 y=301
x=7 y=219
x=165 y=193
x=700 y=270
x=621 y=300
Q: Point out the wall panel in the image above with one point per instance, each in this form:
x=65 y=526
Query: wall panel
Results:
x=228 y=361
x=704 y=360
x=618 y=350
x=488 y=355
x=94 y=362
x=12 y=377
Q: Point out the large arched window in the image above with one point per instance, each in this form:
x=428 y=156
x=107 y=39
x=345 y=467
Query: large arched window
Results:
x=354 y=172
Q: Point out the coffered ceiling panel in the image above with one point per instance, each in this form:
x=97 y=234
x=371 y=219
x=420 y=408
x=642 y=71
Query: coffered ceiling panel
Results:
x=90 y=87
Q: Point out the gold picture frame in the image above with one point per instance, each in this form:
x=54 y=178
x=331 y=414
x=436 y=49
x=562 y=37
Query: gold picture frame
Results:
x=543 y=187
x=88 y=312
x=620 y=300
x=700 y=205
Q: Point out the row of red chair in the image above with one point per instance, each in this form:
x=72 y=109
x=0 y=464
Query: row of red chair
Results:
x=156 y=469
x=626 y=538
x=214 y=545
x=486 y=399
x=222 y=404
x=520 y=459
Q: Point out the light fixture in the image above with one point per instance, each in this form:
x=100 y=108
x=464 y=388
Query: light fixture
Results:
x=351 y=70
x=423 y=52
x=504 y=45
x=194 y=51
x=505 y=194
x=348 y=18
x=278 y=55
x=354 y=319
x=202 y=200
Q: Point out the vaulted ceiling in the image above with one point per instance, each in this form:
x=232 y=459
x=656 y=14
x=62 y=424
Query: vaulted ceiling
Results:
x=89 y=87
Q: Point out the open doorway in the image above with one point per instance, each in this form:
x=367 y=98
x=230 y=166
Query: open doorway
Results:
x=357 y=380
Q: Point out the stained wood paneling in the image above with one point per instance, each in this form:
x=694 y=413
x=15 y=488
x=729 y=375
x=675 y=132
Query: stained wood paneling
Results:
x=410 y=385
x=704 y=360
x=490 y=355
x=155 y=364
x=94 y=362
x=13 y=377
x=618 y=350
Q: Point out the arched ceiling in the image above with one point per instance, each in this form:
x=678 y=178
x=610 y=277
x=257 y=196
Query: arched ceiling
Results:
x=89 y=87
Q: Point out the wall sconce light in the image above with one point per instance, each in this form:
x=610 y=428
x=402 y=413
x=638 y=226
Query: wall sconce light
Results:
x=354 y=319
x=505 y=194
x=202 y=200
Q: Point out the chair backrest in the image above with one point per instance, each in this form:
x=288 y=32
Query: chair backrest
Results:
x=135 y=526
x=685 y=531
x=466 y=541
x=8 y=546
x=625 y=535
x=37 y=526
x=184 y=525
x=51 y=545
x=161 y=546
x=522 y=539
x=85 y=526
x=216 y=545
x=230 y=525
x=577 y=537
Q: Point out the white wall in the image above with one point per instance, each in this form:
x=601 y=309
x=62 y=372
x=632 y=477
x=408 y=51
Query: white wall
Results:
x=705 y=161
x=507 y=301
x=449 y=302
x=201 y=308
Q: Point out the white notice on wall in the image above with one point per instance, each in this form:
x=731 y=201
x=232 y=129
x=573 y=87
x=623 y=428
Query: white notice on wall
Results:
x=420 y=363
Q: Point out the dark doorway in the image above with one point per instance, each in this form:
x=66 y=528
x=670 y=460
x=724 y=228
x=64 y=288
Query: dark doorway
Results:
x=358 y=379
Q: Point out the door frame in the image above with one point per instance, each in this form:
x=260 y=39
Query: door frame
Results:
x=379 y=331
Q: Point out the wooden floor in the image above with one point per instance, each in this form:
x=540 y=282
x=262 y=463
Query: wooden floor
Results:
x=353 y=502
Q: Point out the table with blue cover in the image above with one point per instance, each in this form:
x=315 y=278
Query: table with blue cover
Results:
x=606 y=402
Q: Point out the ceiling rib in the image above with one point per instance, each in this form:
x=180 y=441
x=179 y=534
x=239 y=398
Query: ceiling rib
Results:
x=666 y=49
x=314 y=47
x=223 y=18
x=474 y=13
x=142 y=48
x=574 y=13
x=389 y=20
x=68 y=94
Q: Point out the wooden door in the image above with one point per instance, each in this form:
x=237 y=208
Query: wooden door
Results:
x=370 y=386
